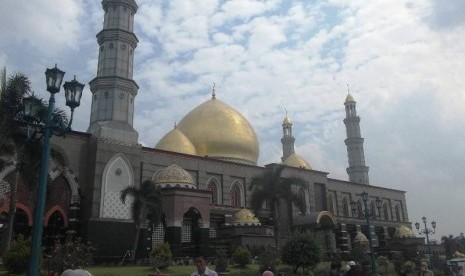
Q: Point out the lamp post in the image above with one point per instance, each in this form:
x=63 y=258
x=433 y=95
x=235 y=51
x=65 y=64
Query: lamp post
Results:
x=368 y=216
x=427 y=231
x=48 y=127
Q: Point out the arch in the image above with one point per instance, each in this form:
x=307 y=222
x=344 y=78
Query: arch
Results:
x=302 y=194
x=6 y=171
x=117 y=175
x=398 y=213
x=72 y=181
x=191 y=222
x=332 y=205
x=385 y=212
x=326 y=215
x=360 y=209
x=236 y=197
x=54 y=209
x=345 y=207
x=27 y=211
x=213 y=185
x=373 y=208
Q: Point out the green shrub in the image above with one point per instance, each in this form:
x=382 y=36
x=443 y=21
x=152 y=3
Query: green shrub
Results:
x=16 y=259
x=269 y=260
x=301 y=250
x=73 y=254
x=221 y=261
x=241 y=256
x=161 y=256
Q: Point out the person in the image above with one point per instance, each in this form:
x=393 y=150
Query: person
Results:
x=202 y=269
x=335 y=269
x=267 y=273
x=352 y=270
x=424 y=271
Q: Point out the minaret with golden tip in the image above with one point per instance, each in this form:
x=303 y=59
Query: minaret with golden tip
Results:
x=357 y=170
x=288 y=140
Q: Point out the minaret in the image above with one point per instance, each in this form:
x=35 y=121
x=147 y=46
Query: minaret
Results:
x=357 y=170
x=287 y=140
x=114 y=90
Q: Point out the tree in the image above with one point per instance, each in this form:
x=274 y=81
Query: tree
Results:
x=384 y=262
x=16 y=147
x=301 y=250
x=146 y=204
x=451 y=245
x=272 y=188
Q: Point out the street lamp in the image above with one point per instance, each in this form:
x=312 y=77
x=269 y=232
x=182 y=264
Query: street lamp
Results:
x=49 y=126
x=368 y=216
x=427 y=231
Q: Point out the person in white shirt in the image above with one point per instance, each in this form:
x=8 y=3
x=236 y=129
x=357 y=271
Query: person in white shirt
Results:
x=202 y=269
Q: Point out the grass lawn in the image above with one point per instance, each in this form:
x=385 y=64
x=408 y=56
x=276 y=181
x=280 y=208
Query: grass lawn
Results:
x=173 y=270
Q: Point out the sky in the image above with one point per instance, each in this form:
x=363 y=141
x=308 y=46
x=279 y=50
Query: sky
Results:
x=403 y=61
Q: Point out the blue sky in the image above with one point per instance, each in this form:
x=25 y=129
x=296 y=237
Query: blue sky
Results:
x=404 y=62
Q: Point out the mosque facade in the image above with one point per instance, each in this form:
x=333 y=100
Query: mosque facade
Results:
x=203 y=166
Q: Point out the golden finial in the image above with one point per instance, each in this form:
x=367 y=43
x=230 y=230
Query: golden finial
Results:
x=175 y=125
x=348 y=88
x=213 y=92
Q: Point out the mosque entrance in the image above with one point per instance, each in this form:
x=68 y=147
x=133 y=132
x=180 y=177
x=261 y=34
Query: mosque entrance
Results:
x=190 y=233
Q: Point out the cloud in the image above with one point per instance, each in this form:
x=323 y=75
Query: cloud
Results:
x=402 y=61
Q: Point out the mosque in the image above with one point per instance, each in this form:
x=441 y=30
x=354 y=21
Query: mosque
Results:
x=204 y=167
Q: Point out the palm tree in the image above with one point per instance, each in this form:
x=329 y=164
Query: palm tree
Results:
x=278 y=192
x=146 y=204
x=15 y=147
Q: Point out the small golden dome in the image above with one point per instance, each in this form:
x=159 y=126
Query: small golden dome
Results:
x=360 y=239
x=295 y=160
x=404 y=232
x=174 y=176
x=218 y=131
x=349 y=98
x=245 y=217
x=176 y=141
x=287 y=121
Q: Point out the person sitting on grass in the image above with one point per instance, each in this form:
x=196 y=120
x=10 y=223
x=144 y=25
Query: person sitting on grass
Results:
x=202 y=269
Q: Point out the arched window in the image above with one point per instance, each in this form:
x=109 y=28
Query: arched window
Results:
x=302 y=197
x=345 y=204
x=386 y=212
x=398 y=214
x=373 y=209
x=235 y=196
x=331 y=205
x=213 y=188
x=360 y=213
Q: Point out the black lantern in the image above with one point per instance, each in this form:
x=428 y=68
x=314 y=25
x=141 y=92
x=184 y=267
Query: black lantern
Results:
x=73 y=93
x=31 y=106
x=54 y=77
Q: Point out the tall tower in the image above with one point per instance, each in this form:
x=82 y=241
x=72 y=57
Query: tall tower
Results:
x=287 y=140
x=114 y=90
x=357 y=170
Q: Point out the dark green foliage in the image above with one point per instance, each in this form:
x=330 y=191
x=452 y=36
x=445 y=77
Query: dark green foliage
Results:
x=221 y=261
x=383 y=261
x=241 y=256
x=301 y=250
x=161 y=256
x=270 y=187
x=359 y=255
x=269 y=260
x=16 y=259
x=73 y=254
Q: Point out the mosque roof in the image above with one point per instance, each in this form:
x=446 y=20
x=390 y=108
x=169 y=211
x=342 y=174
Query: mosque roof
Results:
x=176 y=141
x=360 y=239
x=219 y=131
x=297 y=161
x=404 y=232
x=245 y=217
x=174 y=176
x=349 y=98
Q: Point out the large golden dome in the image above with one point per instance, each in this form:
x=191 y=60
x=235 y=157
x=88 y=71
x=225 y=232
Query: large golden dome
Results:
x=218 y=131
x=297 y=161
x=176 y=141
